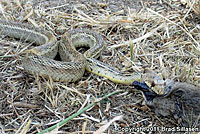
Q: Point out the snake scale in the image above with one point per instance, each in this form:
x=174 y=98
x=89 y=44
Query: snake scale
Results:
x=40 y=59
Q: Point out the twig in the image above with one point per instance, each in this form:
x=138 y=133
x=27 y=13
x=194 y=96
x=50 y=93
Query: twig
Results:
x=62 y=123
x=126 y=43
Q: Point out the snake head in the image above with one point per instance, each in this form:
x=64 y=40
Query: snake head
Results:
x=149 y=94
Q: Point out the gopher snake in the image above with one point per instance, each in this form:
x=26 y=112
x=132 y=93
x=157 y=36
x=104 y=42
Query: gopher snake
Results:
x=39 y=60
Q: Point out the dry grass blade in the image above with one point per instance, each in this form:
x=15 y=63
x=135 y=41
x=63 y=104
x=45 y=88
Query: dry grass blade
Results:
x=26 y=125
x=104 y=127
x=126 y=43
x=194 y=5
x=197 y=48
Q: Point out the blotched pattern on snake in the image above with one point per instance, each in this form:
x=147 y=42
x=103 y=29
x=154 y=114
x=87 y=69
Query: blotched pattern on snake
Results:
x=40 y=60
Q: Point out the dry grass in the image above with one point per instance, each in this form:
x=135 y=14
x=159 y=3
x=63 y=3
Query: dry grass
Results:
x=164 y=37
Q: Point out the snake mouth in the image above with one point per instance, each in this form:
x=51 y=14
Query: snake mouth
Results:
x=148 y=94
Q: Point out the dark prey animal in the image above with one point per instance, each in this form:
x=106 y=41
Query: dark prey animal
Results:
x=180 y=101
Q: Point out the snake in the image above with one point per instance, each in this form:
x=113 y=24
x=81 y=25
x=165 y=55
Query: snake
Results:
x=40 y=60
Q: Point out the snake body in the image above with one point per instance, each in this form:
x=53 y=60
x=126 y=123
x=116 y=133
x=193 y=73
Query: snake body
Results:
x=40 y=59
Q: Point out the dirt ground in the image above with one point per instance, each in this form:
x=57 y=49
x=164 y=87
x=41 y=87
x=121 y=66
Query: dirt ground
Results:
x=163 y=36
